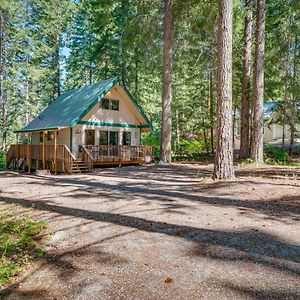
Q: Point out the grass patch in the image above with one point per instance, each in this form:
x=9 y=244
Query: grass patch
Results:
x=18 y=245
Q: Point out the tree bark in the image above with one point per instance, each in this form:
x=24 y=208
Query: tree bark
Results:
x=57 y=89
x=211 y=109
x=283 y=136
x=245 y=109
x=165 y=148
x=124 y=7
x=294 y=112
x=3 y=94
x=257 y=150
x=177 y=131
x=205 y=141
x=224 y=149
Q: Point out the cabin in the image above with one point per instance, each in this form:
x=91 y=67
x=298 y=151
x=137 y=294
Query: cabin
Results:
x=273 y=130
x=99 y=124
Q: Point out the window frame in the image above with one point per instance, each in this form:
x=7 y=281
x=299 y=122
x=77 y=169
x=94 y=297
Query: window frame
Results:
x=113 y=101
x=105 y=100
x=109 y=141
x=50 y=135
x=124 y=138
x=110 y=104
x=107 y=137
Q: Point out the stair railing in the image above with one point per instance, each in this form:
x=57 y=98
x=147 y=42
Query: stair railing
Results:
x=69 y=159
x=87 y=158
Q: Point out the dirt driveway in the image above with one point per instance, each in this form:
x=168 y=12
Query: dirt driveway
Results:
x=161 y=232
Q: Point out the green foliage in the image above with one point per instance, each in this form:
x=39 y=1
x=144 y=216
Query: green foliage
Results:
x=17 y=244
x=2 y=160
x=194 y=145
x=276 y=155
x=152 y=139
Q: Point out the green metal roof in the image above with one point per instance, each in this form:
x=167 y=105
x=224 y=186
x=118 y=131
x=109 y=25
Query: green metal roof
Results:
x=68 y=109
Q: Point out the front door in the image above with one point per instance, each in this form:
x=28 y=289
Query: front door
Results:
x=89 y=137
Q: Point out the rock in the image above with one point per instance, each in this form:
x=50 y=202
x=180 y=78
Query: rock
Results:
x=42 y=172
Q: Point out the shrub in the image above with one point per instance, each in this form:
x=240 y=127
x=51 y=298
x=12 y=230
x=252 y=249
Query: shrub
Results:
x=2 y=160
x=194 y=145
x=276 y=155
x=152 y=139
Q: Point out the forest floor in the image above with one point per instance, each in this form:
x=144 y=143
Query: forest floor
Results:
x=160 y=232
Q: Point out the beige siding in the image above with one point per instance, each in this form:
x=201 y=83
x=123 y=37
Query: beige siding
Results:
x=268 y=133
x=272 y=134
x=79 y=135
x=63 y=138
x=127 y=113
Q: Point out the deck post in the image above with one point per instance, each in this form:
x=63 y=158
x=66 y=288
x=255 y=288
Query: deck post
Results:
x=55 y=152
x=44 y=158
x=28 y=158
x=17 y=151
x=63 y=159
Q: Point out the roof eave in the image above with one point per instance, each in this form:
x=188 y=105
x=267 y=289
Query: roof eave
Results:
x=40 y=129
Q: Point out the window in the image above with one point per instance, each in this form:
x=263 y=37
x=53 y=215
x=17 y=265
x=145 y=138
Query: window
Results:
x=114 y=104
x=103 y=138
x=109 y=104
x=126 y=138
x=50 y=136
x=113 y=137
x=41 y=136
x=105 y=103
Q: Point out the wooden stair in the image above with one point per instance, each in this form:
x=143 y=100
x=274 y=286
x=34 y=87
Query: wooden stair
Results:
x=79 y=166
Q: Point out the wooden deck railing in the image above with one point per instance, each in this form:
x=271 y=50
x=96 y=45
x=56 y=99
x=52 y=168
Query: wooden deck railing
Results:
x=120 y=154
x=60 y=158
x=47 y=153
x=87 y=158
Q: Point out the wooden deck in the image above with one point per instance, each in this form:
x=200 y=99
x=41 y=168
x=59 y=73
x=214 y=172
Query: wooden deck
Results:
x=58 y=158
x=102 y=155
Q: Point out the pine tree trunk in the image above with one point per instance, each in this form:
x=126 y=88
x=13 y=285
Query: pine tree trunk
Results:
x=124 y=5
x=283 y=136
x=136 y=77
x=205 y=141
x=165 y=148
x=177 y=131
x=211 y=109
x=257 y=150
x=57 y=90
x=292 y=140
x=3 y=94
x=224 y=148
x=245 y=110
x=286 y=82
x=233 y=127
x=294 y=101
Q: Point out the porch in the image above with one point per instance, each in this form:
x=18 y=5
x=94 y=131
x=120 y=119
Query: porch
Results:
x=58 y=158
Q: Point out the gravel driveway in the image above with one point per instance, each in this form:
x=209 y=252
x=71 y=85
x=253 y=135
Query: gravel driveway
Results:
x=161 y=232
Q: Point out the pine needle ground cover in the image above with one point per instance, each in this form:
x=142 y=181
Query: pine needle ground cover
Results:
x=18 y=244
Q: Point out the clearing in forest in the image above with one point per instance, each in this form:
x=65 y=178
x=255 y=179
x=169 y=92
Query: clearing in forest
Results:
x=160 y=232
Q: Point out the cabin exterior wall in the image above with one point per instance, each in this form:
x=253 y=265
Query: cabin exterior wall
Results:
x=63 y=138
x=79 y=135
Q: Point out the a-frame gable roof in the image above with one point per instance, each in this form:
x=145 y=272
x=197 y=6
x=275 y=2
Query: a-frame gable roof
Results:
x=68 y=109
